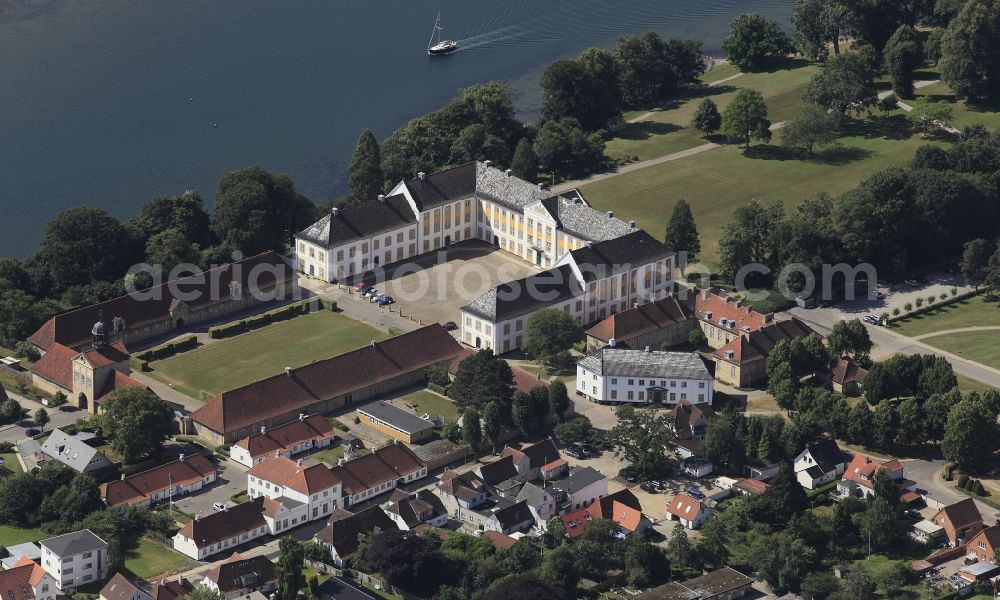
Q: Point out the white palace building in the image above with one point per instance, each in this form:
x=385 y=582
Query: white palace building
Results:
x=590 y=263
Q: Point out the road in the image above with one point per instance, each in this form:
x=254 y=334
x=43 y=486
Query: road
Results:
x=58 y=417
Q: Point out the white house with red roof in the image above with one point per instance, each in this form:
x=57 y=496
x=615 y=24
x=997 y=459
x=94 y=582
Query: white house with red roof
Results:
x=306 y=491
x=691 y=513
x=858 y=478
x=183 y=476
x=622 y=507
x=300 y=435
x=27 y=581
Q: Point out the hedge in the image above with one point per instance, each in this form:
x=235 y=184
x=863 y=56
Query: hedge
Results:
x=926 y=308
x=279 y=314
x=434 y=387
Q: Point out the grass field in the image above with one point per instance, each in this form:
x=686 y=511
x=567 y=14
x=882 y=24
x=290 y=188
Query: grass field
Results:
x=669 y=130
x=152 y=558
x=980 y=346
x=971 y=312
x=206 y=371
x=719 y=180
x=967 y=385
x=431 y=403
x=963 y=113
x=10 y=461
x=17 y=535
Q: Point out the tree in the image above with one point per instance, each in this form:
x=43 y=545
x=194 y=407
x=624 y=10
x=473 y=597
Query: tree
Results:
x=525 y=162
x=844 y=85
x=480 y=378
x=928 y=115
x=365 y=180
x=10 y=411
x=975 y=260
x=472 y=431
x=753 y=41
x=642 y=435
x=682 y=232
x=881 y=524
x=84 y=245
x=522 y=411
x=476 y=142
x=585 y=89
x=746 y=118
x=523 y=586
x=969 y=434
x=645 y=564
x=492 y=423
x=184 y=213
x=116 y=554
x=912 y=423
x=936 y=409
x=290 y=563
x=559 y=569
x=817 y=23
x=885 y=425
x=548 y=332
x=558 y=399
x=707 y=118
x=41 y=418
x=722 y=446
x=203 y=592
x=170 y=248
x=888 y=104
x=556 y=529
x=650 y=68
x=970 y=51
x=850 y=338
x=256 y=211
x=810 y=126
x=135 y=421
x=749 y=238
x=680 y=551
x=407 y=560
x=784 y=495
x=575 y=430
x=564 y=148
x=902 y=55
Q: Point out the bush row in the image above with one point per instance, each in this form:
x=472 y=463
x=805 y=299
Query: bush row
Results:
x=435 y=387
x=926 y=308
x=167 y=350
x=279 y=314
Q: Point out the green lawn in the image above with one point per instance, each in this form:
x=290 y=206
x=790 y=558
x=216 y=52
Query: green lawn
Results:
x=214 y=368
x=669 y=130
x=17 y=535
x=308 y=572
x=971 y=312
x=967 y=384
x=431 y=403
x=332 y=454
x=719 y=180
x=10 y=461
x=979 y=346
x=153 y=558
x=963 y=114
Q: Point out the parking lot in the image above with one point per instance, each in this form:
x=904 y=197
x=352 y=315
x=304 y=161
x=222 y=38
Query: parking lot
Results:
x=434 y=287
x=232 y=480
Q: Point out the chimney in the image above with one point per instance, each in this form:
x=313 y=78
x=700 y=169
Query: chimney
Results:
x=263 y=430
x=302 y=416
x=288 y=371
x=769 y=317
x=421 y=176
x=277 y=453
x=611 y=214
x=631 y=224
x=335 y=212
x=381 y=197
x=181 y=457
x=298 y=463
x=704 y=294
x=197 y=516
x=373 y=343
x=487 y=163
x=507 y=172
x=647 y=349
x=590 y=244
x=123 y=476
x=612 y=342
x=541 y=185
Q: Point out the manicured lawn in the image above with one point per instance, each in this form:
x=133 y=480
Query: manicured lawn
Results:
x=967 y=385
x=153 y=558
x=332 y=454
x=308 y=572
x=214 y=368
x=719 y=180
x=428 y=402
x=979 y=346
x=669 y=131
x=720 y=72
x=10 y=461
x=971 y=312
x=16 y=535
x=964 y=114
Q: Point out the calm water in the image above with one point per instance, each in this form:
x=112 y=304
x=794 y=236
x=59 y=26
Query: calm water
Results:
x=113 y=102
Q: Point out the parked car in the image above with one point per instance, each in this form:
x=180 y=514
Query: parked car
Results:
x=695 y=493
x=371 y=293
x=219 y=506
x=385 y=301
x=572 y=452
x=648 y=486
x=449 y=326
x=361 y=286
x=31 y=432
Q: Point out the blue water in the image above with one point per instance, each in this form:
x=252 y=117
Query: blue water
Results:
x=114 y=102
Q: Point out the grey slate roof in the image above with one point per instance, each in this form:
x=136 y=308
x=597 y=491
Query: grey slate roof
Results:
x=362 y=221
x=76 y=542
x=72 y=451
x=587 y=223
x=639 y=363
x=827 y=454
x=618 y=254
x=532 y=494
x=579 y=479
x=397 y=417
x=513 y=515
x=526 y=295
x=445 y=186
x=507 y=190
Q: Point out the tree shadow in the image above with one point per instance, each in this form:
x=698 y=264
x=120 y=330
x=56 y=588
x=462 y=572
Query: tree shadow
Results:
x=693 y=93
x=926 y=75
x=895 y=127
x=841 y=155
x=771 y=152
x=784 y=63
x=643 y=130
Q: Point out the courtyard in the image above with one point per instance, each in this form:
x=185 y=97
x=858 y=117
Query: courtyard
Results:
x=222 y=365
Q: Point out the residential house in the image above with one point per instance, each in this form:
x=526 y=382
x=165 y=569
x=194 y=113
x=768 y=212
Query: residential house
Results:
x=961 y=521
x=171 y=590
x=722 y=584
x=379 y=472
x=540 y=501
x=410 y=511
x=222 y=531
x=985 y=544
x=399 y=424
x=690 y=512
x=239 y=576
x=820 y=463
x=463 y=495
x=750 y=487
x=120 y=587
x=16 y=552
x=622 y=507
x=846 y=376
x=611 y=374
x=344 y=531
x=690 y=421
x=26 y=580
x=502 y=469
x=75 y=559
x=326 y=385
x=860 y=473
x=174 y=479
x=73 y=452
x=664 y=322
x=529 y=459
x=301 y=435
x=743 y=361
x=510 y=518
x=308 y=490
x=580 y=489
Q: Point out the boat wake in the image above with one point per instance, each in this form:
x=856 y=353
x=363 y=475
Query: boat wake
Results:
x=492 y=37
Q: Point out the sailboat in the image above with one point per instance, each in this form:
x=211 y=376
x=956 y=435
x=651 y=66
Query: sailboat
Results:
x=440 y=48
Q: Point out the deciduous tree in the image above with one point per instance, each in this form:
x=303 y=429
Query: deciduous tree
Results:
x=745 y=118
x=472 y=431
x=970 y=51
x=902 y=55
x=850 y=338
x=525 y=162
x=928 y=116
x=810 y=126
x=753 y=41
x=548 y=332
x=707 y=118
x=135 y=421
x=844 y=85
x=480 y=378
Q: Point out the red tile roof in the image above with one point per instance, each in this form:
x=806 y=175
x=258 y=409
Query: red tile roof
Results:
x=106 y=356
x=752 y=486
x=845 y=370
x=684 y=507
x=118 y=587
x=622 y=507
x=140 y=486
x=381 y=466
x=170 y=590
x=56 y=365
x=960 y=514
x=282 y=437
x=500 y=541
x=862 y=469
x=227 y=576
x=345 y=531
x=17 y=583
x=327 y=379
x=73 y=327
x=710 y=305
x=118 y=381
x=305 y=479
x=641 y=320
x=756 y=344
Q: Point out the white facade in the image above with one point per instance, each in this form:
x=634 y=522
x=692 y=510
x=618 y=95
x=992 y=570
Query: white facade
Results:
x=306 y=504
x=87 y=566
x=642 y=386
x=190 y=548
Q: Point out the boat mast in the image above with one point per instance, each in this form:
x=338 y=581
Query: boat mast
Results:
x=436 y=30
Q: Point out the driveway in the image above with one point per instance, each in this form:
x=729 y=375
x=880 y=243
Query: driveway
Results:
x=232 y=480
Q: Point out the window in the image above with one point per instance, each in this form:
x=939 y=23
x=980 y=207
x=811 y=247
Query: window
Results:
x=399 y=237
x=631 y=381
x=413 y=234
x=375 y=245
x=701 y=384
x=642 y=395
x=642 y=382
x=614 y=381
x=630 y=394
x=614 y=394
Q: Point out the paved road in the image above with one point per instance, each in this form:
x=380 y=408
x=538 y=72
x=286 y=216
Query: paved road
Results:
x=58 y=417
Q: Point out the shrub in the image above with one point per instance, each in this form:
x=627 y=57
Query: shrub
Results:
x=954 y=292
x=963 y=481
x=333 y=305
x=978 y=488
x=214 y=333
x=336 y=424
x=438 y=375
x=697 y=337
x=895 y=312
x=440 y=389
x=24 y=349
x=580 y=347
x=144 y=366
